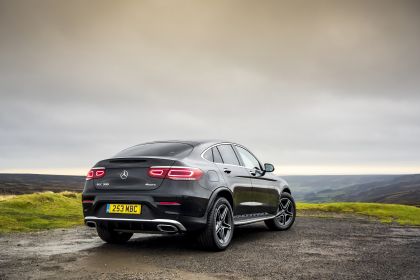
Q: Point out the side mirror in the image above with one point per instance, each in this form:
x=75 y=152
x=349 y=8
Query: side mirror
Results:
x=268 y=167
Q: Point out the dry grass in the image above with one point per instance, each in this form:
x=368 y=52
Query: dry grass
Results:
x=386 y=213
x=6 y=197
x=39 y=211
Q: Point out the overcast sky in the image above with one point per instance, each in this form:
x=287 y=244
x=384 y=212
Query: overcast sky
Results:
x=315 y=87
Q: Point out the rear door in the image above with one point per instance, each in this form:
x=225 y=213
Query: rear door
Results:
x=264 y=191
x=236 y=177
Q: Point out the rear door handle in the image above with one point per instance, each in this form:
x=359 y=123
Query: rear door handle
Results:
x=226 y=170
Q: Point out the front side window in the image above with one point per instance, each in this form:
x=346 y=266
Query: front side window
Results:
x=228 y=154
x=248 y=159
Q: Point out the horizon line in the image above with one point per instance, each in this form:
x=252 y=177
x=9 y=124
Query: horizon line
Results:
x=280 y=175
x=280 y=170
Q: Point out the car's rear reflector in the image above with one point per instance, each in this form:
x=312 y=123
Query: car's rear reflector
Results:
x=175 y=172
x=169 y=203
x=95 y=173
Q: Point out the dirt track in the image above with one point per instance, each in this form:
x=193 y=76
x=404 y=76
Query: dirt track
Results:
x=315 y=248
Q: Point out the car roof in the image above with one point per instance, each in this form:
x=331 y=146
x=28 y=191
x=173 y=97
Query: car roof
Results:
x=191 y=142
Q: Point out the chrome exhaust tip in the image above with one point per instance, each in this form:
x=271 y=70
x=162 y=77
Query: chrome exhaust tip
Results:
x=167 y=228
x=91 y=224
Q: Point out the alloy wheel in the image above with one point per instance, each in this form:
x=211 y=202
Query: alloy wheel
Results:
x=224 y=224
x=285 y=215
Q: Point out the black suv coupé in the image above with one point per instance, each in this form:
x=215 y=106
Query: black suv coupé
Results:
x=205 y=188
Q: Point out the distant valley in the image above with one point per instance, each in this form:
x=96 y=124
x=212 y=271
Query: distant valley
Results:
x=401 y=189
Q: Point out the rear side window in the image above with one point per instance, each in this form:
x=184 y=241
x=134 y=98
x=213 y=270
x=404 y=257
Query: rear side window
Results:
x=228 y=154
x=216 y=155
x=157 y=150
x=208 y=155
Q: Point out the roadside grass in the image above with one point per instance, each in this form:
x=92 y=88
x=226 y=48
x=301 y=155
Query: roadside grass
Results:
x=386 y=213
x=48 y=210
x=39 y=211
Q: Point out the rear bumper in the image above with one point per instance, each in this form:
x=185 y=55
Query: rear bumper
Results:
x=187 y=214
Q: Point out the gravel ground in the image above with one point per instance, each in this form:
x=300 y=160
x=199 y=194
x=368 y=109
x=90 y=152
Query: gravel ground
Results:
x=315 y=248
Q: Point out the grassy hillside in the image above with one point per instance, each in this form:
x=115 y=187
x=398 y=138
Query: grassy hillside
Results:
x=40 y=211
x=386 y=213
x=49 y=210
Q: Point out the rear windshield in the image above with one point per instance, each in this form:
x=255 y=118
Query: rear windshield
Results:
x=157 y=150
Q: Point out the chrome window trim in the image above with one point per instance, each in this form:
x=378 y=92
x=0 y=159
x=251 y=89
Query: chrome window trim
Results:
x=215 y=145
x=233 y=144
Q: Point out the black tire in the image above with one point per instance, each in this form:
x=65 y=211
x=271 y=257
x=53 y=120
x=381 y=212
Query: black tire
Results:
x=210 y=238
x=110 y=236
x=288 y=214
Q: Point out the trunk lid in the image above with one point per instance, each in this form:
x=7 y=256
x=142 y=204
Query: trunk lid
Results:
x=130 y=173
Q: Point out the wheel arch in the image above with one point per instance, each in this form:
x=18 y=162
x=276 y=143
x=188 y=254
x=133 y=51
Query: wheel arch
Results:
x=220 y=192
x=286 y=190
x=226 y=194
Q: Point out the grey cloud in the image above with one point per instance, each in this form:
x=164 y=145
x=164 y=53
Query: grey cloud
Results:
x=300 y=82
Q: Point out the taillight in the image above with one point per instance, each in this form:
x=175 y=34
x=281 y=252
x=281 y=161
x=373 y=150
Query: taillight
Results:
x=175 y=173
x=158 y=172
x=184 y=173
x=95 y=173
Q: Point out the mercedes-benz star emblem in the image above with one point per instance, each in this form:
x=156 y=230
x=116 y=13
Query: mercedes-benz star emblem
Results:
x=124 y=174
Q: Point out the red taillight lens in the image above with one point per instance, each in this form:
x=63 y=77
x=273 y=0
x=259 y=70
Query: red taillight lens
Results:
x=158 y=172
x=89 y=176
x=184 y=173
x=175 y=173
x=99 y=173
x=95 y=173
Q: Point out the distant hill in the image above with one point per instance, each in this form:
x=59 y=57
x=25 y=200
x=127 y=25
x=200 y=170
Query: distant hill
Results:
x=308 y=188
x=30 y=183
x=401 y=189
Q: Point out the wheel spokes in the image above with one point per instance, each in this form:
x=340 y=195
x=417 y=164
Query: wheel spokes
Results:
x=287 y=205
x=226 y=225
x=223 y=215
x=220 y=231
x=223 y=224
x=286 y=211
x=284 y=219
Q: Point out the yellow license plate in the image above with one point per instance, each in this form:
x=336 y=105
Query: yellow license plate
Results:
x=123 y=208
